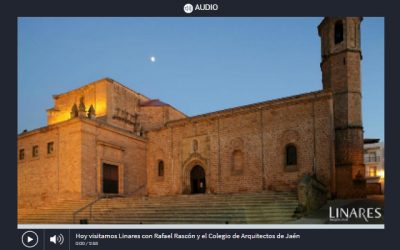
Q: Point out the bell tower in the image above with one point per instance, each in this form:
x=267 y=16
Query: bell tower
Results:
x=340 y=65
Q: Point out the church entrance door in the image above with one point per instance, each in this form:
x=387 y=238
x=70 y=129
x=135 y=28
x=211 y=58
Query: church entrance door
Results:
x=110 y=179
x=198 y=180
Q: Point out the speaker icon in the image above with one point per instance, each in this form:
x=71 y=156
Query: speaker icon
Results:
x=57 y=239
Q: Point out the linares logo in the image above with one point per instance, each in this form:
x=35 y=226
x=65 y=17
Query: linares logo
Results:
x=188 y=8
x=344 y=214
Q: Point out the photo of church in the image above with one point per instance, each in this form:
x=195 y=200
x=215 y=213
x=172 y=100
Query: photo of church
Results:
x=111 y=155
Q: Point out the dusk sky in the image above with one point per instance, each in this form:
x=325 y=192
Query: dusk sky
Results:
x=198 y=65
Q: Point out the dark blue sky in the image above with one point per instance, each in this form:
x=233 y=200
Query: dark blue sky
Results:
x=202 y=64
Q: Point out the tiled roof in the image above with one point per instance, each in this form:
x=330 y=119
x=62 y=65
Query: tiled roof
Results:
x=153 y=102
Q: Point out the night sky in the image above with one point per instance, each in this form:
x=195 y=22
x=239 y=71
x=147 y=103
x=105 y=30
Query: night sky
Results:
x=197 y=65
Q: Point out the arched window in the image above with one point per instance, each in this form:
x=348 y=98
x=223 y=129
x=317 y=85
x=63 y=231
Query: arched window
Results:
x=291 y=155
x=338 y=32
x=160 y=168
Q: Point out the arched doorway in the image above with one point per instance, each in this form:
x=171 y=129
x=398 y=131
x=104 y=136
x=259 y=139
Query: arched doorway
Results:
x=197 y=180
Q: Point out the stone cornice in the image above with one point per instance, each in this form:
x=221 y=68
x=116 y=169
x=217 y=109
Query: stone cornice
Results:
x=80 y=120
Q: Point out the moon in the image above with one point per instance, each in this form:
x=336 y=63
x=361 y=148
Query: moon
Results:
x=152 y=59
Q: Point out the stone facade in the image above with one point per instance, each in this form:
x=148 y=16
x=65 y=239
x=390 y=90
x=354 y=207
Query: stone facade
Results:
x=104 y=136
x=73 y=169
x=258 y=133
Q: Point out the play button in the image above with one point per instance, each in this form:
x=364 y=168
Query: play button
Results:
x=29 y=239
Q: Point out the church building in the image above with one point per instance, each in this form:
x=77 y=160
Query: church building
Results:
x=106 y=139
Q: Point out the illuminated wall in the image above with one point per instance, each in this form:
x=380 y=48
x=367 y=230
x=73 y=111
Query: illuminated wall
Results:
x=114 y=104
x=73 y=169
x=93 y=94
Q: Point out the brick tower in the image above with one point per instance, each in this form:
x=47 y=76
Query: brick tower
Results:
x=341 y=56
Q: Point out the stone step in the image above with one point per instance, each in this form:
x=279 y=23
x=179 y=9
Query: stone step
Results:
x=193 y=201
x=191 y=210
x=173 y=199
x=219 y=217
x=176 y=198
x=202 y=204
x=265 y=207
x=232 y=206
x=173 y=213
x=187 y=217
x=196 y=211
x=194 y=221
x=171 y=206
x=203 y=197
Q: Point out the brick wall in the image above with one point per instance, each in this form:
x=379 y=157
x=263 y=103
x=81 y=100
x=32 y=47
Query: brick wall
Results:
x=258 y=134
x=48 y=177
x=74 y=169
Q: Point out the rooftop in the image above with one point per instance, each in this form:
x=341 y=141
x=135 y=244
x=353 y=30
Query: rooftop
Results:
x=153 y=102
x=370 y=140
